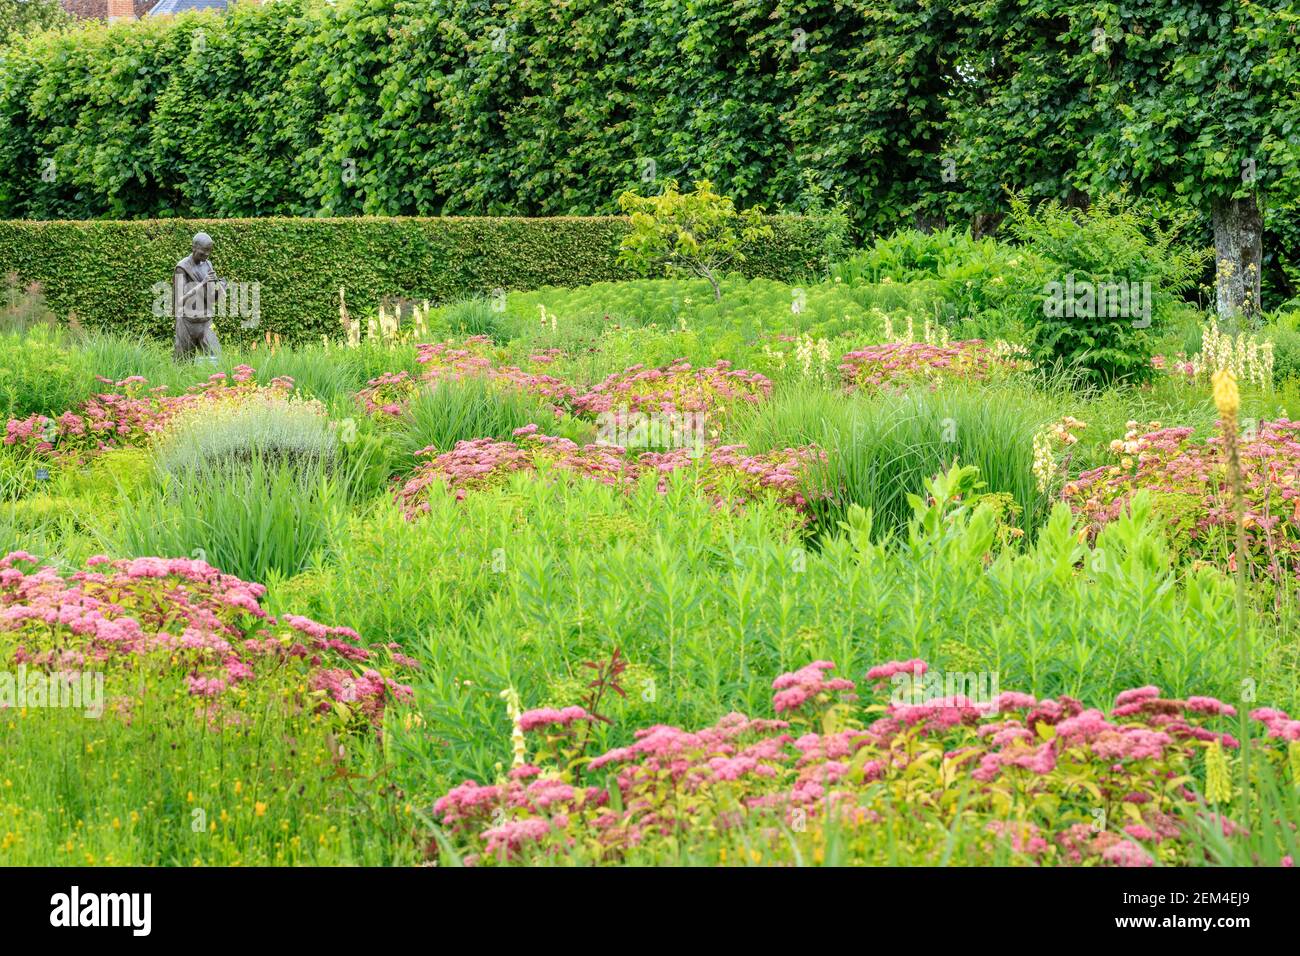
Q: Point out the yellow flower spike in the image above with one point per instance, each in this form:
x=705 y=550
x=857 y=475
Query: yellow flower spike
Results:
x=1226 y=397
x=1218 y=779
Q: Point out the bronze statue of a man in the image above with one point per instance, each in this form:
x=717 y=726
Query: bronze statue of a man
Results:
x=195 y=292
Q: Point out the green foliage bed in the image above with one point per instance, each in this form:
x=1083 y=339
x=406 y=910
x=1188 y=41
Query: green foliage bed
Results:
x=487 y=589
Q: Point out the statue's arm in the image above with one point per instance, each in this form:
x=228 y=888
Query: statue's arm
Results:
x=178 y=292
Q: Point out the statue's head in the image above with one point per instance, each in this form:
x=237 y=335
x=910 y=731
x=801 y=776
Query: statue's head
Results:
x=201 y=249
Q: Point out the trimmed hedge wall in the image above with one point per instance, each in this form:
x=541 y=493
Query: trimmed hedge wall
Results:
x=105 y=271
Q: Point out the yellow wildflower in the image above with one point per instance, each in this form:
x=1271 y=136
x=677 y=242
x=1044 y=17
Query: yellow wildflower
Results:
x=1226 y=397
x=1218 y=780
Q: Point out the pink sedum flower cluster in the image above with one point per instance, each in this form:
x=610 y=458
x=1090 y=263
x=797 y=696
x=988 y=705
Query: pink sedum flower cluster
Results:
x=182 y=620
x=676 y=387
x=1168 y=462
x=898 y=365
x=1031 y=773
x=486 y=462
x=389 y=395
x=125 y=417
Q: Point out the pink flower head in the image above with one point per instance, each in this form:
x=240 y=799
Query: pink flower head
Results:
x=549 y=716
x=916 y=667
x=798 y=687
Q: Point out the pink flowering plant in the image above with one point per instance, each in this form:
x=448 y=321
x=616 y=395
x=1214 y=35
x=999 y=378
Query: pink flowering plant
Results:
x=676 y=387
x=390 y=394
x=485 y=463
x=898 y=365
x=451 y=360
x=180 y=625
x=127 y=416
x=475 y=357
x=1189 y=478
x=724 y=473
x=387 y=395
x=1029 y=781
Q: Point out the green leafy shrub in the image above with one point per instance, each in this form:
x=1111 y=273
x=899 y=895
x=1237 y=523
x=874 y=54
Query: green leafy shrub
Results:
x=1106 y=277
x=20 y=17
x=1285 y=336
x=39 y=375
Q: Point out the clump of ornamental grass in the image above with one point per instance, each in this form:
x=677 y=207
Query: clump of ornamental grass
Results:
x=179 y=626
x=449 y=411
x=253 y=518
x=268 y=422
x=1059 y=782
x=883 y=446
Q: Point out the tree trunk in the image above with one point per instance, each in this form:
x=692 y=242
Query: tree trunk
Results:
x=717 y=289
x=985 y=224
x=930 y=222
x=1238 y=254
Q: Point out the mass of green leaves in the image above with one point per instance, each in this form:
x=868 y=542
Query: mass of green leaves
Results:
x=697 y=233
x=909 y=112
x=106 y=272
x=20 y=17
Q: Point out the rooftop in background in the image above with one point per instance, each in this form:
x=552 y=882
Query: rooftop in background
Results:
x=165 y=7
x=98 y=9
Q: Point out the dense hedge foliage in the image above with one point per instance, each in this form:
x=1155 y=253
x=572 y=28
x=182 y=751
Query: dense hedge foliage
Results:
x=105 y=272
x=391 y=107
x=529 y=108
x=526 y=107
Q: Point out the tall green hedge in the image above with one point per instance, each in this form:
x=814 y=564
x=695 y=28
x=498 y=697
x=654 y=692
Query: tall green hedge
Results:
x=105 y=272
x=908 y=111
x=476 y=107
